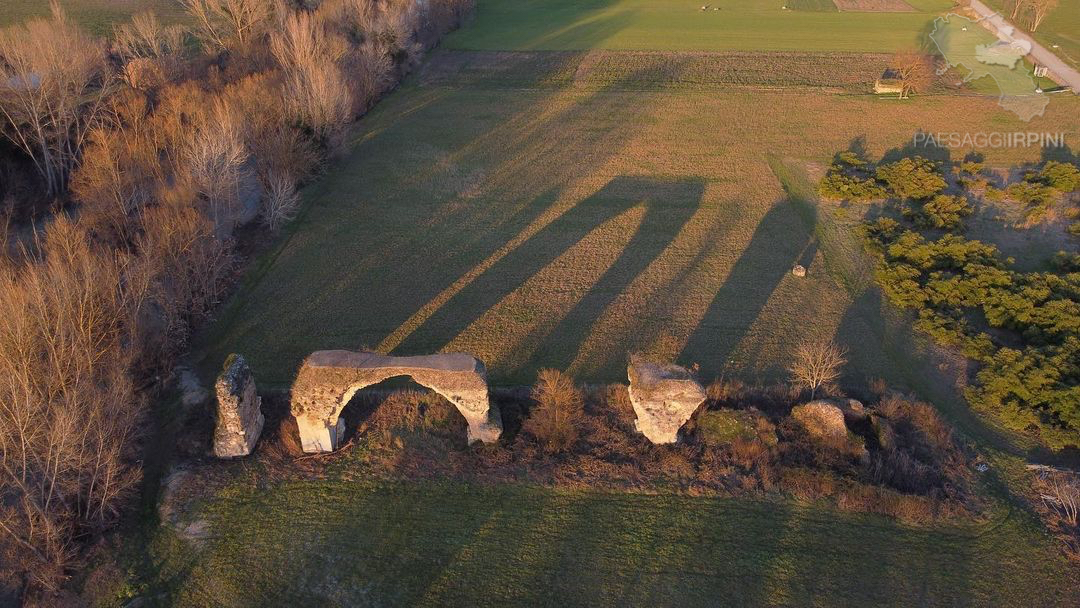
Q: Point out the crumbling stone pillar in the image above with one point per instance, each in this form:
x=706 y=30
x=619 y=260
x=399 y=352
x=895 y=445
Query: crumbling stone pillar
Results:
x=664 y=397
x=239 y=412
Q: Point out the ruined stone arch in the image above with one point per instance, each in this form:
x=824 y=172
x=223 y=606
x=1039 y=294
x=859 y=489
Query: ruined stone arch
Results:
x=328 y=379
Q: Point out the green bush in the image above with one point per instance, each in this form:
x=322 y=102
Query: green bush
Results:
x=971 y=168
x=1063 y=177
x=994 y=195
x=850 y=178
x=1038 y=198
x=1023 y=328
x=943 y=211
x=957 y=286
x=914 y=177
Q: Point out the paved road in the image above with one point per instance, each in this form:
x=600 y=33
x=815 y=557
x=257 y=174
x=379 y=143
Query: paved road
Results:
x=1060 y=71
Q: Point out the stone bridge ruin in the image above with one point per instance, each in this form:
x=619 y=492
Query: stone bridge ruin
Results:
x=328 y=379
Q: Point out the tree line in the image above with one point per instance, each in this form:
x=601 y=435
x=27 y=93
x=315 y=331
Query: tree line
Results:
x=152 y=147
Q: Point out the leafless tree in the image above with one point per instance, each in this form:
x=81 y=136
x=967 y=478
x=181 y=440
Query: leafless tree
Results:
x=223 y=23
x=53 y=83
x=817 y=364
x=146 y=38
x=315 y=88
x=914 y=72
x=280 y=201
x=68 y=409
x=1016 y=7
x=117 y=178
x=190 y=267
x=217 y=165
x=1038 y=10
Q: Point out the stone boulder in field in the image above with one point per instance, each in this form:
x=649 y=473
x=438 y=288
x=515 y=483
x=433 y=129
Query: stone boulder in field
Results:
x=822 y=419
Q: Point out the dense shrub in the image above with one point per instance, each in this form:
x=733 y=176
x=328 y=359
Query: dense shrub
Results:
x=943 y=211
x=1063 y=177
x=1036 y=197
x=850 y=178
x=840 y=186
x=918 y=475
x=920 y=456
x=961 y=289
x=912 y=177
x=1023 y=328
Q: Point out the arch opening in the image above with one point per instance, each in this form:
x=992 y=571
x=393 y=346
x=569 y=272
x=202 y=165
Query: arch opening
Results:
x=328 y=380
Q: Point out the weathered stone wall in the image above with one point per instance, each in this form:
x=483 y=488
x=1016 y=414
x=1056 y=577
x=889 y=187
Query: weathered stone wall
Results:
x=664 y=397
x=239 y=413
x=328 y=379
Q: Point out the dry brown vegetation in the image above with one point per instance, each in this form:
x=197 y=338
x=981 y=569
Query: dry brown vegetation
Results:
x=555 y=417
x=1058 y=501
x=165 y=155
x=68 y=405
x=921 y=476
x=53 y=83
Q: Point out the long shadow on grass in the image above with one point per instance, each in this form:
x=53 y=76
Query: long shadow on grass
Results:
x=669 y=204
x=780 y=241
x=390 y=237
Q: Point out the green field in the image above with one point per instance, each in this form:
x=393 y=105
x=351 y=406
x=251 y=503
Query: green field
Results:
x=334 y=543
x=97 y=16
x=758 y=25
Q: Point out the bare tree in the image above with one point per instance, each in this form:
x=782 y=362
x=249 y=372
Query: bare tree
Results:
x=68 y=409
x=53 y=83
x=117 y=178
x=817 y=364
x=190 y=267
x=1016 y=7
x=280 y=201
x=913 y=70
x=217 y=165
x=315 y=88
x=1039 y=9
x=146 y=38
x=223 y=23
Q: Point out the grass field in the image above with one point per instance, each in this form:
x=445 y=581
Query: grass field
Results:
x=758 y=25
x=97 y=16
x=334 y=543
x=568 y=226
